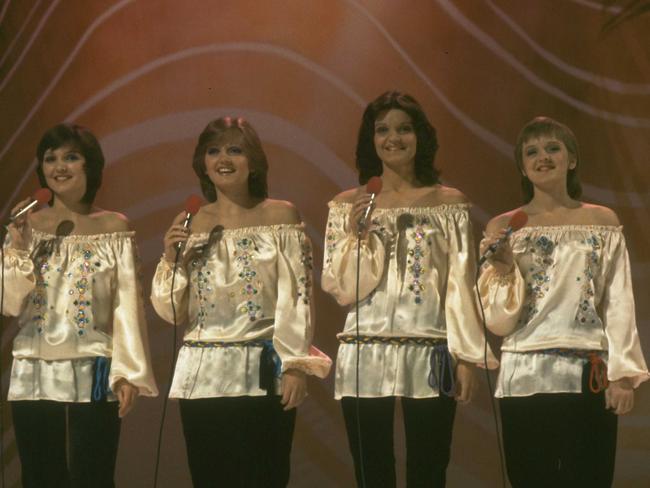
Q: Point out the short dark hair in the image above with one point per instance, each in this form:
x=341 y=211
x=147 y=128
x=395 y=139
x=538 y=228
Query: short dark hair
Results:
x=228 y=129
x=369 y=164
x=82 y=140
x=546 y=126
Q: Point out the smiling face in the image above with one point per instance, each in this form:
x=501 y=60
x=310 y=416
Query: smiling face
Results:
x=546 y=161
x=226 y=163
x=64 y=172
x=395 y=139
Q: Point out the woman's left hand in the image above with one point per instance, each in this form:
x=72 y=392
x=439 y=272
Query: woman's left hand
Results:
x=126 y=394
x=465 y=382
x=619 y=396
x=294 y=388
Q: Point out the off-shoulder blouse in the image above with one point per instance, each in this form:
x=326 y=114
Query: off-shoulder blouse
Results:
x=416 y=281
x=233 y=289
x=571 y=289
x=76 y=297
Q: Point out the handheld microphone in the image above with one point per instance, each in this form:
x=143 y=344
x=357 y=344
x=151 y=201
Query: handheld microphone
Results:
x=373 y=187
x=40 y=197
x=517 y=221
x=192 y=206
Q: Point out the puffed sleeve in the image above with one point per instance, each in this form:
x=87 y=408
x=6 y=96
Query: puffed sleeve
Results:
x=160 y=292
x=131 y=359
x=293 y=330
x=340 y=263
x=503 y=297
x=465 y=336
x=19 y=279
x=617 y=305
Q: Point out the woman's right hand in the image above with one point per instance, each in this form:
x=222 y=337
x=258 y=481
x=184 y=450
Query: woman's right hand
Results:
x=501 y=259
x=19 y=229
x=361 y=203
x=175 y=234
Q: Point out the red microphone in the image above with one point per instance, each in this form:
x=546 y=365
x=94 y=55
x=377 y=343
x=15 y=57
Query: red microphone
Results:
x=40 y=197
x=373 y=187
x=517 y=221
x=192 y=206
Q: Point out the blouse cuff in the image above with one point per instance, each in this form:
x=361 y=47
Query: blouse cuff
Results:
x=316 y=364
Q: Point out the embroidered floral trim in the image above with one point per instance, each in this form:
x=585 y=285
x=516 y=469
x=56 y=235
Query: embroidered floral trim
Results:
x=202 y=285
x=305 y=284
x=416 y=253
x=81 y=303
x=586 y=312
x=537 y=285
x=244 y=259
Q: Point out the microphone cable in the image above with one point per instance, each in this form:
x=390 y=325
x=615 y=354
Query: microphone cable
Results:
x=171 y=373
x=489 y=381
x=362 y=470
x=2 y=402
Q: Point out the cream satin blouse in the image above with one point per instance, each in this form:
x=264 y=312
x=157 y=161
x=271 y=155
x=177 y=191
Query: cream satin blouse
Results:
x=571 y=288
x=417 y=276
x=77 y=297
x=236 y=286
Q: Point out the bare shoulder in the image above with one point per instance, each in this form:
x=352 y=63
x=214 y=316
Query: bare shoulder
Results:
x=451 y=196
x=278 y=212
x=500 y=221
x=599 y=215
x=108 y=222
x=348 y=196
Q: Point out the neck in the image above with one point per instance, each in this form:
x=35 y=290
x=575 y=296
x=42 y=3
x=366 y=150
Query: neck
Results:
x=235 y=201
x=549 y=200
x=402 y=178
x=71 y=206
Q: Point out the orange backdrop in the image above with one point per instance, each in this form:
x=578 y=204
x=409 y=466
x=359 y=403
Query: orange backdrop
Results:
x=147 y=75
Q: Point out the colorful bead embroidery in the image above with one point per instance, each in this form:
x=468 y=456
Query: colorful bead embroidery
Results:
x=541 y=250
x=81 y=315
x=201 y=279
x=244 y=259
x=306 y=259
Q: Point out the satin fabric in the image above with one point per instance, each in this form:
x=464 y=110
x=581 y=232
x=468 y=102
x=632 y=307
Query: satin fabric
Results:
x=240 y=285
x=77 y=297
x=571 y=288
x=418 y=268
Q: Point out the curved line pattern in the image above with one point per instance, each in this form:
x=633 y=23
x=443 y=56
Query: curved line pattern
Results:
x=35 y=34
x=3 y=12
x=20 y=31
x=598 y=80
x=497 y=50
x=180 y=55
x=612 y=9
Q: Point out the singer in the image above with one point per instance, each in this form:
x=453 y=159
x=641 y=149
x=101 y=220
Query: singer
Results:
x=243 y=289
x=71 y=279
x=419 y=334
x=559 y=290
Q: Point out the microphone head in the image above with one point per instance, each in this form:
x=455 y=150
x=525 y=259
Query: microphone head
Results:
x=42 y=196
x=374 y=185
x=518 y=220
x=193 y=204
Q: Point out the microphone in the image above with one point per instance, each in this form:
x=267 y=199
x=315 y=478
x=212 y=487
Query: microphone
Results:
x=373 y=187
x=41 y=196
x=517 y=221
x=192 y=206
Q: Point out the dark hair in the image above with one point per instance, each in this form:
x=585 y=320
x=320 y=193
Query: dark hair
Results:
x=545 y=126
x=227 y=129
x=82 y=140
x=369 y=164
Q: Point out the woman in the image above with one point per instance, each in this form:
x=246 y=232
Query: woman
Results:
x=419 y=335
x=243 y=287
x=71 y=278
x=559 y=291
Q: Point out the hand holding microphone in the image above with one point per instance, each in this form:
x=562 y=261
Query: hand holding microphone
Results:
x=17 y=221
x=496 y=249
x=178 y=233
x=363 y=206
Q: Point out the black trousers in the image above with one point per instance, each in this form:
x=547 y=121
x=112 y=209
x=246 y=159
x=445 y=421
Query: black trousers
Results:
x=428 y=426
x=559 y=440
x=238 y=442
x=93 y=431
